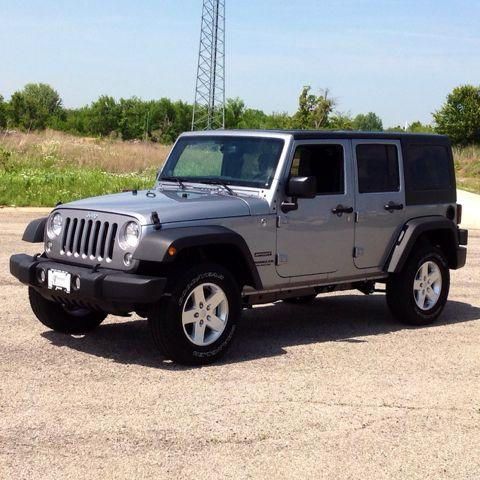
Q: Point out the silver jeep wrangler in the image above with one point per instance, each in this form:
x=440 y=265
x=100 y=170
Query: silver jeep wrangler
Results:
x=238 y=218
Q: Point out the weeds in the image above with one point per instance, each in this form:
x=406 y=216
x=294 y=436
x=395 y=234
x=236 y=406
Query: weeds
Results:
x=46 y=168
x=41 y=169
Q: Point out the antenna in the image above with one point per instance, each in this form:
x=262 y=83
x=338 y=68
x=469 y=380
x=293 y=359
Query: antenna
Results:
x=209 y=105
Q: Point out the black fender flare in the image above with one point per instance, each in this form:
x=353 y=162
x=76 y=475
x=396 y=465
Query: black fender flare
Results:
x=411 y=232
x=155 y=244
x=35 y=231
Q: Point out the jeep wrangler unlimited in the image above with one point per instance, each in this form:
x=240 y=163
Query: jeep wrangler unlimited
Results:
x=238 y=218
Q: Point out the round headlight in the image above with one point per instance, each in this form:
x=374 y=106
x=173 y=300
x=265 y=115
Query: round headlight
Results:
x=55 y=224
x=130 y=235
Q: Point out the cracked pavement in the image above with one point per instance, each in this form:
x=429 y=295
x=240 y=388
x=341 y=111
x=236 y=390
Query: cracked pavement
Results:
x=332 y=390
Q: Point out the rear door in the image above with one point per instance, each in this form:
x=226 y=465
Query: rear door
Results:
x=380 y=200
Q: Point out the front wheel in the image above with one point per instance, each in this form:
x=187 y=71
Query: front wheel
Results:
x=62 y=319
x=417 y=295
x=195 y=324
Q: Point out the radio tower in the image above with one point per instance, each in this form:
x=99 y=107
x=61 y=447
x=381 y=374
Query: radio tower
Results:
x=209 y=105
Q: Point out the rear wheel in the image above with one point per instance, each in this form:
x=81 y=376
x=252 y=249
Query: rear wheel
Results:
x=417 y=295
x=62 y=319
x=195 y=324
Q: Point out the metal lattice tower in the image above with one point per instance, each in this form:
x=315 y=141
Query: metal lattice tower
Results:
x=209 y=105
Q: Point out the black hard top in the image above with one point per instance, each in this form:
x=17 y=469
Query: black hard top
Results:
x=348 y=134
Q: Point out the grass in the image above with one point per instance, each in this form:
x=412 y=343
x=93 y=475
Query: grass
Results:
x=41 y=169
x=467 y=166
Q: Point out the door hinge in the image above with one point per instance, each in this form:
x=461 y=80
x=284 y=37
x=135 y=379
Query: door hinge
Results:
x=281 y=258
x=358 y=252
x=281 y=221
x=357 y=217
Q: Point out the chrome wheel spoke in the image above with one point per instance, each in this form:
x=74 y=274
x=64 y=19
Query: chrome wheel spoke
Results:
x=198 y=296
x=188 y=317
x=205 y=306
x=432 y=295
x=435 y=276
x=199 y=333
x=424 y=271
x=427 y=285
x=421 y=299
x=215 y=299
x=216 y=323
x=417 y=285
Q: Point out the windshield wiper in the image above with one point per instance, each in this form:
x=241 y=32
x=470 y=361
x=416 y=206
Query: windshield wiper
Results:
x=174 y=179
x=211 y=181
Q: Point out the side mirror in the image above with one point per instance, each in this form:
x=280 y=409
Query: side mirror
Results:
x=302 y=187
x=299 y=187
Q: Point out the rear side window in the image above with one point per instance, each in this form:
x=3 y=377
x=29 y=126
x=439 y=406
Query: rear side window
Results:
x=377 y=166
x=429 y=167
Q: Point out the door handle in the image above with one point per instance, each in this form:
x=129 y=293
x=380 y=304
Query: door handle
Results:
x=391 y=206
x=339 y=210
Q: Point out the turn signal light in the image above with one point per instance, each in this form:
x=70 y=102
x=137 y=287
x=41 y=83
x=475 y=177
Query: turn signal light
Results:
x=172 y=251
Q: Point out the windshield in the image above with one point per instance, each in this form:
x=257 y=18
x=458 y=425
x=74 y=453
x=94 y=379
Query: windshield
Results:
x=244 y=161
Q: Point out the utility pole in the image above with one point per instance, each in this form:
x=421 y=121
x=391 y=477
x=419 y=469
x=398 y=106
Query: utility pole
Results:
x=209 y=104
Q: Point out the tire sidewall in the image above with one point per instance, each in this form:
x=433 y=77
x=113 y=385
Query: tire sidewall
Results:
x=54 y=316
x=173 y=320
x=434 y=255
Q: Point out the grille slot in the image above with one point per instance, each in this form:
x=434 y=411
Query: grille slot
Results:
x=89 y=239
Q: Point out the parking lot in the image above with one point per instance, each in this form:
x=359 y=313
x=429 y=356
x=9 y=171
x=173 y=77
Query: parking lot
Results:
x=335 y=389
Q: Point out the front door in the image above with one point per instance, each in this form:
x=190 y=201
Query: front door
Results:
x=317 y=238
x=380 y=200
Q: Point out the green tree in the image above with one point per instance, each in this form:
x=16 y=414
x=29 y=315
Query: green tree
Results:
x=134 y=121
x=3 y=113
x=369 y=122
x=340 y=121
x=182 y=121
x=35 y=106
x=396 y=129
x=459 y=117
x=313 y=110
x=234 y=110
x=162 y=118
x=253 y=118
x=103 y=116
x=277 y=121
x=419 y=127
x=76 y=121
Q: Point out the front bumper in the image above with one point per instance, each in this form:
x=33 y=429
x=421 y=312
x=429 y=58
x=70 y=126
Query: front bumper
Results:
x=109 y=290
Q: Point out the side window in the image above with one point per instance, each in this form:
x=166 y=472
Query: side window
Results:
x=325 y=162
x=428 y=167
x=377 y=166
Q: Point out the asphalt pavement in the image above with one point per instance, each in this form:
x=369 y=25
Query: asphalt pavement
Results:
x=336 y=389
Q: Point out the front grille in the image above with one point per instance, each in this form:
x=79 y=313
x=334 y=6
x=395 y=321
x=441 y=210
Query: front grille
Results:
x=88 y=239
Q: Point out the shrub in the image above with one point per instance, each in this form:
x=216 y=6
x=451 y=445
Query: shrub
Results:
x=459 y=117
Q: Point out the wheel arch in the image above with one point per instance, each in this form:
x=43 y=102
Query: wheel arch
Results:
x=205 y=243
x=35 y=231
x=436 y=230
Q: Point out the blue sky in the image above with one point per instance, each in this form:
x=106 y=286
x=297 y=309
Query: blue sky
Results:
x=396 y=58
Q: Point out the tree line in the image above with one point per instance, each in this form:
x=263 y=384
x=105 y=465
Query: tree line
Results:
x=38 y=106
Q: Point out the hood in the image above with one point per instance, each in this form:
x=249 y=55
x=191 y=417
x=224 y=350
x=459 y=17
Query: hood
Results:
x=174 y=205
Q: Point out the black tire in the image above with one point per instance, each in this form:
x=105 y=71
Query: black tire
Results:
x=302 y=300
x=400 y=294
x=56 y=317
x=165 y=320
